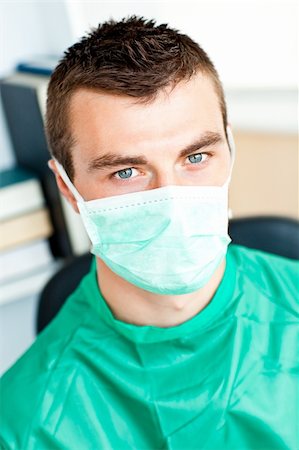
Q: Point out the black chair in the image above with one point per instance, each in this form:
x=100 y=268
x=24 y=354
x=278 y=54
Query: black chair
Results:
x=59 y=287
x=271 y=234
x=278 y=235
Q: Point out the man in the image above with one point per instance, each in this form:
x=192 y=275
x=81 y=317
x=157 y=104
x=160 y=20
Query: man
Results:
x=173 y=340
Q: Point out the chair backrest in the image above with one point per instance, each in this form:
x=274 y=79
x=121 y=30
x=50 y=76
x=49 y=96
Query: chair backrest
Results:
x=278 y=235
x=271 y=234
x=59 y=287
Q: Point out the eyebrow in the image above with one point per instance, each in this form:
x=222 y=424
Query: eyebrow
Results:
x=110 y=160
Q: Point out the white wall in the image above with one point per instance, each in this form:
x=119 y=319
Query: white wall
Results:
x=17 y=329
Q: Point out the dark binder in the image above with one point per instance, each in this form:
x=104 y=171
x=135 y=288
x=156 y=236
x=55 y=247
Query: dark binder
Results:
x=25 y=124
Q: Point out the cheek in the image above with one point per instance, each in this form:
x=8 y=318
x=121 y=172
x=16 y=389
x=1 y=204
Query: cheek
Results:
x=111 y=188
x=216 y=173
x=92 y=188
x=88 y=188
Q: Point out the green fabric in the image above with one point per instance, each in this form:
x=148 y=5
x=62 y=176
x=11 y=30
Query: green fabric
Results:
x=225 y=379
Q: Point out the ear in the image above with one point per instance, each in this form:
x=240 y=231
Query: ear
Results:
x=63 y=187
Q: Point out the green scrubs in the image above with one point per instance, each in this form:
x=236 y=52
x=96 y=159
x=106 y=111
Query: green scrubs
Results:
x=225 y=379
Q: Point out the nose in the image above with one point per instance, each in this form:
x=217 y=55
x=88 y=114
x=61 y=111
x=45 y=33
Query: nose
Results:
x=165 y=178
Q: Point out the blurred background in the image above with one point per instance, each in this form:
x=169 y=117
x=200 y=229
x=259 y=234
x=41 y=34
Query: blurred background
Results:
x=254 y=45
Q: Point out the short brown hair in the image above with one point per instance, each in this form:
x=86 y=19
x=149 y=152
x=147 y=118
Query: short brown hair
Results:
x=133 y=57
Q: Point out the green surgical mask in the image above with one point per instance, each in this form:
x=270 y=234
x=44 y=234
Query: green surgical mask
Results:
x=168 y=240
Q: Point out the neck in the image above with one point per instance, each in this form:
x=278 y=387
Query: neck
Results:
x=131 y=304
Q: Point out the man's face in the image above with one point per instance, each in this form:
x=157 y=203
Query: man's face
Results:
x=122 y=146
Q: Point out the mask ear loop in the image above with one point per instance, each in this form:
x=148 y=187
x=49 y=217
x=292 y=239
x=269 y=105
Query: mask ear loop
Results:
x=68 y=182
x=232 y=148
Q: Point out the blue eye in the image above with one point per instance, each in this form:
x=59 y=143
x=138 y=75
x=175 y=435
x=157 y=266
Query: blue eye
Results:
x=196 y=158
x=125 y=173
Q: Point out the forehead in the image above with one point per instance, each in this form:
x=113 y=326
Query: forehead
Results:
x=107 y=121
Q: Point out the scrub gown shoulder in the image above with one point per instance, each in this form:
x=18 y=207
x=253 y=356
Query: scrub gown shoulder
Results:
x=227 y=379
